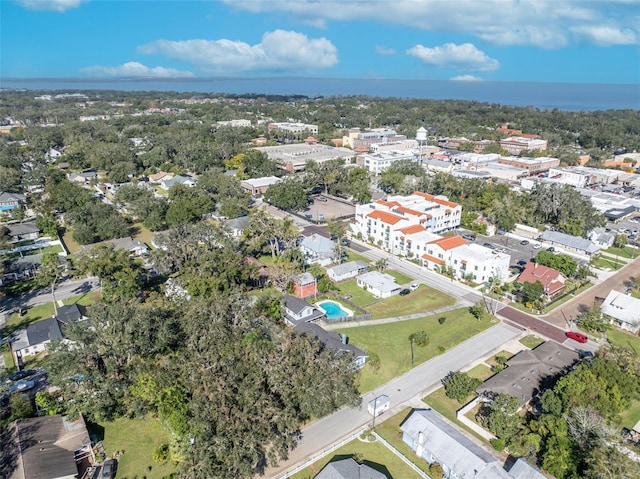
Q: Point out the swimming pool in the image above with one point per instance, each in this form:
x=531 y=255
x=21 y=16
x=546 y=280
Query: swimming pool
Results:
x=334 y=310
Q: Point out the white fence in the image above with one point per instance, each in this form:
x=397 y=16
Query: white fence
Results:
x=415 y=468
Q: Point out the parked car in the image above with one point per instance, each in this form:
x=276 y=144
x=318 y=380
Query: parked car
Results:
x=576 y=336
x=537 y=246
x=322 y=198
x=405 y=292
x=524 y=242
x=522 y=262
x=25 y=373
x=414 y=286
x=108 y=469
x=551 y=249
x=469 y=237
x=488 y=245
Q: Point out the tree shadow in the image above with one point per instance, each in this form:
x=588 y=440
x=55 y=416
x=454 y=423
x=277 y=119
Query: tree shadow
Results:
x=96 y=431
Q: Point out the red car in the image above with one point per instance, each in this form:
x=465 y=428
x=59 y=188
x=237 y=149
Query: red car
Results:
x=581 y=338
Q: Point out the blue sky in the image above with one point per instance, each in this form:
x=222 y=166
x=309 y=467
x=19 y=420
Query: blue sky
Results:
x=576 y=41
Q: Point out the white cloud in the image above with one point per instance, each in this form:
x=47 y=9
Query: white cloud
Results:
x=134 y=69
x=502 y=22
x=464 y=57
x=604 y=35
x=279 y=51
x=466 y=78
x=380 y=50
x=51 y=5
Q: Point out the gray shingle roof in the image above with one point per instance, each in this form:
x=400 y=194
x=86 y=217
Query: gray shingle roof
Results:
x=348 y=469
x=44 y=330
x=331 y=340
x=571 y=241
x=20 y=229
x=450 y=447
x=349 y=267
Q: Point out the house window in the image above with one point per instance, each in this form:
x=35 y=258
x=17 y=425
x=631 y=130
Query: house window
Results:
x=475 y=267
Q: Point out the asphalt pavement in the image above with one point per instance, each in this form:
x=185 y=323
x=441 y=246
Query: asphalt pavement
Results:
x=403 y=392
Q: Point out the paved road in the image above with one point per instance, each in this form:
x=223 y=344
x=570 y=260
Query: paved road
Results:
x=619 y=281
x=534 y=325
x=63 y=290
x=403 y=392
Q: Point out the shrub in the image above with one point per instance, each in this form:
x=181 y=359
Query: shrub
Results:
x=420 y=338
x=161 y=453
x=442 y=319
x=498 y=444
x=436 y=471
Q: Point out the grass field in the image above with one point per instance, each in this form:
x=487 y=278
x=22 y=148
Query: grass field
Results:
x=422 y=300
x=400 y=278
x=391 y=343
x=353 y=256
x=439 y=401
x=618 y=337
x=137 y=438
x=144 y=234
x=606 y=262
x=626 y=252
x=481 y=371
x=374 y=454
x=630 y=416
x=531 y=341
x=72 y=245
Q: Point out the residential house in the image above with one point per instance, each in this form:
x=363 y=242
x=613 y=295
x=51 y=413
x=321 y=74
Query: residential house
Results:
x=348 y=469
x=10 y=201
x=435 y=440
x=530 y=372
x=237 y=225
x=159 y=177
x=52 y=155
x=380 y=285
x=167 y=183
x=299 y=311
x=318 y=249
x=570 y=243
x=521 y=469
x=333 y=341
x=552 y=281
x=23 y=231
x=36 y=336
x=84 y=178
x=623 y=309
x=258 y=186
x=347 y=270
x=47 y=447
x=602 y=238
x=130 y=244
x=305 y=285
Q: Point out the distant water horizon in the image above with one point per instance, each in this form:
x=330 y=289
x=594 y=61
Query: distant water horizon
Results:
x=543 y=96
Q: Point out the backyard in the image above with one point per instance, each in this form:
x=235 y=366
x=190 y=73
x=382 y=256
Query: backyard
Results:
x=373 y=454
x=391 y=342
x=137 y=438
x=423 y=300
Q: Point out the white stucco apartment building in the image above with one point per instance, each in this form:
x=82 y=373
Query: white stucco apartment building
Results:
x=381 y=221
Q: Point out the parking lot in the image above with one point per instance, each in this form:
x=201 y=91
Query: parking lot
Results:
x=324 y=207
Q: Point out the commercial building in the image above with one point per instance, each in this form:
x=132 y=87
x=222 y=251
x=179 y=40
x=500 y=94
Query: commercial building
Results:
x=293 y=127
x=516 y=144
x=357 y=138
x=295 y=157
x=532 y=165
x=376 y=163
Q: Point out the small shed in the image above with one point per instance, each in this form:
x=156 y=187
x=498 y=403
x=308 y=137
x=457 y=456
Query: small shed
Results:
x=378 y=405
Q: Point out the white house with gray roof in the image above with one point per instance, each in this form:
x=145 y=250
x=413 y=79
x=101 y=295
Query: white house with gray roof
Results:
x=318 y=249
x=299 y=311
x=348 y=270
x=381 y=285
x=348 y=469
x=576 y=244
x=623 y=309
x=435 y=440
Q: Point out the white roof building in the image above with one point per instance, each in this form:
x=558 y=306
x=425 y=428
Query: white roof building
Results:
x=624 y=310
x=376 y=163
x=381 y=285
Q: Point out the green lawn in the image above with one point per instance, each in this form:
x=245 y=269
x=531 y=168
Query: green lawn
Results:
x=353 y=256
x=630 y=416
x=390 y=342
x=422 y=300
x=481 y=372
x=144 y=234
x=531 y=341
x=619 y=338
x=626 y=252
x=374 y=454
x=137 y=438
x=439 y=401
x=72 y=245
x=8 y=359
x=605 y=262
x=400 y=278
x=358 y=295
